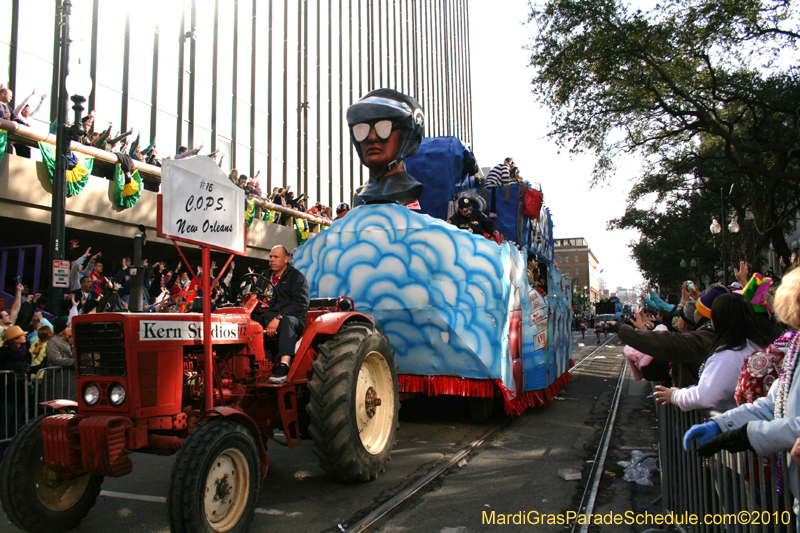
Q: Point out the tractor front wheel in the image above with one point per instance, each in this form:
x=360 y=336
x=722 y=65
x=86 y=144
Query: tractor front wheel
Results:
x=215 y=480
x=354 y=402
x=34 y=497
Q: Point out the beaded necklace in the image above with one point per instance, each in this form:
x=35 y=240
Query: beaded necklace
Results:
x=787 y=373
x=790 y=340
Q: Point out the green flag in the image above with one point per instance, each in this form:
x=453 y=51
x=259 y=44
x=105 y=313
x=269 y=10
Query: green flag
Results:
x=250 y=211
x=3 y=143
x=302 y=227
x=126 y=194
x=77 y=177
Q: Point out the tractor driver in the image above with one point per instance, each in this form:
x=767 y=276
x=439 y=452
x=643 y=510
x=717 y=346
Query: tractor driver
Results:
x=473 y=220
x=287 y=297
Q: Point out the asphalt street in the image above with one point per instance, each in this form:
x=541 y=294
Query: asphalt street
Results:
x=516 y=471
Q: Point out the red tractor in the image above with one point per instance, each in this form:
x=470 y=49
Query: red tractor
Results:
x=143 y=386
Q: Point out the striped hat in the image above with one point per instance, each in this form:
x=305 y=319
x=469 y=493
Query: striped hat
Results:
x=707 y=300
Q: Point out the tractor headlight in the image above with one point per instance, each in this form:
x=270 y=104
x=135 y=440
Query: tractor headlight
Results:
x=91 y=394
x=116 y=394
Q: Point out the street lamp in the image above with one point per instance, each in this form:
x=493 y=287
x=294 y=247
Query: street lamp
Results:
x=717 y=228
x=79 y=85
x=694 y=264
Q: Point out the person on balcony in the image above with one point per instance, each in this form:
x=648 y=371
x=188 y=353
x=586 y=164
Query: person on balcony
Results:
x=6 y=111
x=23 y=111
x=184 y=152
x=21 y=115
x=341 y=210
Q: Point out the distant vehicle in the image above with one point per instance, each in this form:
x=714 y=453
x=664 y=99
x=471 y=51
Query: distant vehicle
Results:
x=605 y=318
x=612 y=306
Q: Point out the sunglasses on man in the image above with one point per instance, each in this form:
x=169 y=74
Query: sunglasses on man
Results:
x=383 y=129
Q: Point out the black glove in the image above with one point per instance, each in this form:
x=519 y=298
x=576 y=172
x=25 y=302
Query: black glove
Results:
x=734 y=441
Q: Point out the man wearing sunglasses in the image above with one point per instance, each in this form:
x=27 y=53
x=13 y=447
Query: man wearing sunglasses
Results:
x=386 y=127
x=474 y=221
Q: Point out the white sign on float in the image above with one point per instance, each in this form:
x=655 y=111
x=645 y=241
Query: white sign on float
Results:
x=201 y=205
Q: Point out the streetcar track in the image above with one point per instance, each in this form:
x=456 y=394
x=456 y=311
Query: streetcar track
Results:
x=589 y=495
x=378 y=516
x=375 y=518
x=589 y=357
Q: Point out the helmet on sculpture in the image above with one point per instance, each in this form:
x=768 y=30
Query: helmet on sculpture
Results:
x=402 y=110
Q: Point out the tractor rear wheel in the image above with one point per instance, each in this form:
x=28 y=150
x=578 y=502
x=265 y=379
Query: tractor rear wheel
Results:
x=215 y=480
x=34 y=497
x=354 y=402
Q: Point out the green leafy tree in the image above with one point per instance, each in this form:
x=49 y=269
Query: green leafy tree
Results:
x=691 y=85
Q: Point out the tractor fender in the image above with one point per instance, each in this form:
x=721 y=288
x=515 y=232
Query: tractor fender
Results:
x=330 y=323
x=327 y=324
x=242 y=418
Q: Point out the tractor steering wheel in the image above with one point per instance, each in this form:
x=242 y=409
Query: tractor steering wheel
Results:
x=252 y=287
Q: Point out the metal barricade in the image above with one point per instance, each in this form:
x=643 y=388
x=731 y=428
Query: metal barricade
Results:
x=53 y=383
x=13 y=411
x=22 y=395
x=726 y=485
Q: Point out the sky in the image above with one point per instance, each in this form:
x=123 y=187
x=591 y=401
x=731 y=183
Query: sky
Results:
x=508 y=122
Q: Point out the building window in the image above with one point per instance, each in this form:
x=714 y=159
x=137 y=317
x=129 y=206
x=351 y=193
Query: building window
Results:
x=577 y=271
x=566 y=259
x=576 y=258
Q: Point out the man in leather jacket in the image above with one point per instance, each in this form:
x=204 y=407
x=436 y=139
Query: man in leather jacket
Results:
x=287 y=296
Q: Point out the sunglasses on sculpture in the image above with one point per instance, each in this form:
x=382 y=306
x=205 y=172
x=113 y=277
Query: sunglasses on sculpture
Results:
x=383 y=128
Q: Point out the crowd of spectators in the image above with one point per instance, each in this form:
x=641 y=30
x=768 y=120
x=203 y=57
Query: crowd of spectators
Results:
x=29 y=341
x=125 y=145
x=731 y=349
x=283 y=196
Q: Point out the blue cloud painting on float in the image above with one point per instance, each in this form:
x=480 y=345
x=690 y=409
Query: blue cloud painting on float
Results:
x=442 y=295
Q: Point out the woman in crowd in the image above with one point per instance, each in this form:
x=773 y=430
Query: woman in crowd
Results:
x=736 y=335
x=770 y=424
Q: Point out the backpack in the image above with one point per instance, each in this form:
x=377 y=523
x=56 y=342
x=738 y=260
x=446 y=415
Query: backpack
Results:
x=759 y=371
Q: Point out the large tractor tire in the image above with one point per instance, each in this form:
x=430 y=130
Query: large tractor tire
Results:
x=354 y=403
x=215 y=480
x=33 y=496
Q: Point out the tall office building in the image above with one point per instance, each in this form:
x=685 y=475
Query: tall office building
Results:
x=267 y=81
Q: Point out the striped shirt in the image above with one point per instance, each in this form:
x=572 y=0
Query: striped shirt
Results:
x=499 y=176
